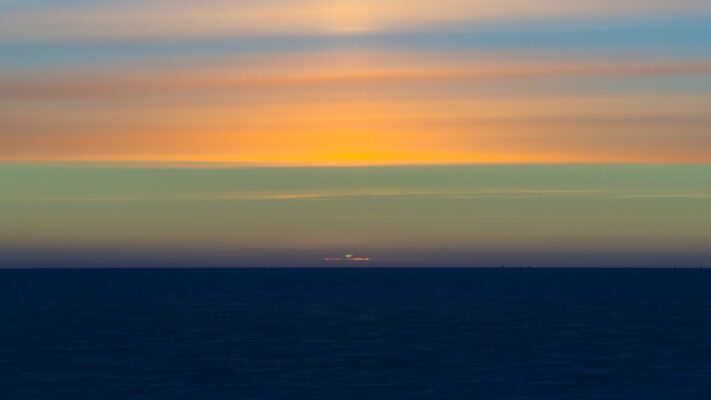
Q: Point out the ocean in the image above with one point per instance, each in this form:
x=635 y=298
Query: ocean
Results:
x=355 y=334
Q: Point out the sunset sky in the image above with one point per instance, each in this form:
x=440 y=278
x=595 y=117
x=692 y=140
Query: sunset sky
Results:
x=161 y=132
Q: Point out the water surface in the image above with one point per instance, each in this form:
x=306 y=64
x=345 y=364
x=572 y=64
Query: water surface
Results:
x=355 y=334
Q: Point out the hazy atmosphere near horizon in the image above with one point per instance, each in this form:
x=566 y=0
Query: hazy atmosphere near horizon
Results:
x=273 y=133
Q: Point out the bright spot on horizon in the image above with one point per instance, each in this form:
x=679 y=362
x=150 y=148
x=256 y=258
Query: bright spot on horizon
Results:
x=347 y=257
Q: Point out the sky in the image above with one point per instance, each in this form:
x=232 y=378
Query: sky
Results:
x=424 y=133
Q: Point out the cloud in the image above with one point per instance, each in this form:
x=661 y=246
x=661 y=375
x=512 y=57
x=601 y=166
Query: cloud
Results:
x=340 y=194
x=666 y=196
x=161 y=19
x=326 y=69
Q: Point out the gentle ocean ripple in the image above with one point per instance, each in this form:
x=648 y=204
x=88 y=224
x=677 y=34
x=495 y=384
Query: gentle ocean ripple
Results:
x=355 y=334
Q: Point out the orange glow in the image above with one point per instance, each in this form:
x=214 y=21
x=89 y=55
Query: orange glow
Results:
x=383 y=132
x=350 y=109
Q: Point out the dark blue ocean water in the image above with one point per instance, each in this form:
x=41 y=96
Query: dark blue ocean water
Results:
x=355 y=334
